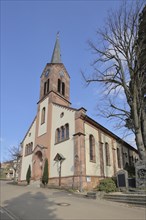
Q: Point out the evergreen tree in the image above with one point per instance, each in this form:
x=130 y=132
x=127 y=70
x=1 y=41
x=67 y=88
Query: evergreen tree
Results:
x=28 y=175
x=45 y=173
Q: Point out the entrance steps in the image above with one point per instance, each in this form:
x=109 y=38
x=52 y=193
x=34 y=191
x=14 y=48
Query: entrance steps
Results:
x=34 y=184
x=131 y=199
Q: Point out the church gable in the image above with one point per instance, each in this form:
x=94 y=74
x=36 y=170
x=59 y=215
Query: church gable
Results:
x=63 y=129
x=62 y=117
x=28 y=145
x=30 y=135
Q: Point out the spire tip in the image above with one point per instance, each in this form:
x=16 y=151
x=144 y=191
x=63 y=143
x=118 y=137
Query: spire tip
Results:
x=58 y=34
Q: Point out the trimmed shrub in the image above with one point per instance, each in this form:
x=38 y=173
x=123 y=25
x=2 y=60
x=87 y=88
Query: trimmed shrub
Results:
x=107 y=185
x=114 y=178
x=28 y=175
x=45 y=173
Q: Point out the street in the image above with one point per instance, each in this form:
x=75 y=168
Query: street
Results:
x=24 y=202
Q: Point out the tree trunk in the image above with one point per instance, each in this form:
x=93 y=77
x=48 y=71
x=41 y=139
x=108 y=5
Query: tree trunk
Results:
x=144 y=127
x=137 y=125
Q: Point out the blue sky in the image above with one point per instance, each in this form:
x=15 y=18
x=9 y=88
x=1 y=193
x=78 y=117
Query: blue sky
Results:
x=28 y=33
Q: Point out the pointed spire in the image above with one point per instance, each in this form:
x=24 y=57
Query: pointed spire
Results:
x=56 y=57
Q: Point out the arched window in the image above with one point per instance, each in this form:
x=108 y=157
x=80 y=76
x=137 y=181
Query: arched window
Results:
x=57 y=135
x=62 y=133
x=43 y=116
x=59 y=85
x=67 y=130
x=63 y=88
x=31 y=147
x=48 y=85
x=92 y=148
x=107 y=154
x=28 y=149
x=45 y=87
x=118 y=158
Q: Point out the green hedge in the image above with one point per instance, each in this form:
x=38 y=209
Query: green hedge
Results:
x=107 y=185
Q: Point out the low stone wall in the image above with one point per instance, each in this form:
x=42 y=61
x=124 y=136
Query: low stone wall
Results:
x=75 y=182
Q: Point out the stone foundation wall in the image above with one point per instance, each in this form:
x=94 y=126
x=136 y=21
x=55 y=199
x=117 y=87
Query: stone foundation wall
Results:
x=75 y=182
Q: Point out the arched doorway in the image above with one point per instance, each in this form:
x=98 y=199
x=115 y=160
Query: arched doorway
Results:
x=38 y=165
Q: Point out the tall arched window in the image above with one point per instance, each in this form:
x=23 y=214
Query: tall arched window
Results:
x=57 y=135
x=118 y=158
x=48 y=85
x=43 y=116
x=107 y=154
x=45 y=88
x=59 y=85
x=67 y=130
x=31 y=147
x=62 y=133
x=63 y=88
x=28 y=149
x=92 y=148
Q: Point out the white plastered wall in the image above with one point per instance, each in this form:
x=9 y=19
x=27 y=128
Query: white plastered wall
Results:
x=92 y=169
x=108 y=170
x=27 y=160
x=66 y=148
x=43 y=127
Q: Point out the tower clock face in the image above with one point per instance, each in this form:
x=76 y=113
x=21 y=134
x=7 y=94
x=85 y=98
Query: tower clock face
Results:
x=61 y=74
x=47 y=72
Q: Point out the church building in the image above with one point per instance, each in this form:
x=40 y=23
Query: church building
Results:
x=80 y=151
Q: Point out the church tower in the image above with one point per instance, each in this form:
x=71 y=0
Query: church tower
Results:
x=55 y=81
x=54 y=89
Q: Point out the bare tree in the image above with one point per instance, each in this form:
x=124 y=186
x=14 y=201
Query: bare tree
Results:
x=15 y=155
x=141 y=63
x=118 y=66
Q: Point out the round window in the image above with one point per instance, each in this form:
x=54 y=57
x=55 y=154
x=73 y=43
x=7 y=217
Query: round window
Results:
x=62 y=114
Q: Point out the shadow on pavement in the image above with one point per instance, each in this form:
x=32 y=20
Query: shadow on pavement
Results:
x=31 y=206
